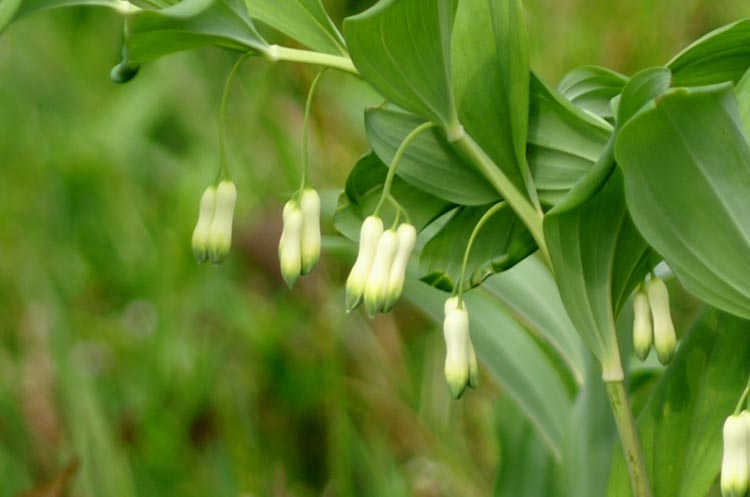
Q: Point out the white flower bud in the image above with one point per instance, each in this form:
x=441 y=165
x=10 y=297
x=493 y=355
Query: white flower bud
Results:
x=310 y=205
x=734 y=466
x=665 y=340
x=376 y=288
x=450 y=305
x=457 y=342
x=473 y=366
x=407 y=237
x=643 y=334
x=220 y=234
x=203 y=227
x=290 y=257
x=369 y=236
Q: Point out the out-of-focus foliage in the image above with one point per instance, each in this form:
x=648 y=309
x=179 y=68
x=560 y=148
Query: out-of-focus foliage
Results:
x=164 y=378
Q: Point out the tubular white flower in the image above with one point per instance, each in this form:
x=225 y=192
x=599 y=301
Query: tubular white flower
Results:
x=407 y=237
x=450 y=305
x=290 y=257
x=457 y=343
x=376 y=288
x=310 y=205
x=220 y=234
x=734 y=466
x=665 y=340
x=369 y=236
x=203 y=226
x=643 y=334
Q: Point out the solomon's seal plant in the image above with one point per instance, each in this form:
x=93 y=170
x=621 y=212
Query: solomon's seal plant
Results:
x=541 y=208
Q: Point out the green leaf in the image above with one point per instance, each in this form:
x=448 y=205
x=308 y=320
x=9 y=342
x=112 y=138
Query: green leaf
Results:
x=743 y=101
x=363 y=190
x=598 y=257
x=429 y=163
x=502 y=242
x=681 y=427
x=402 y=48
x=589 y=439
x=529 y=293
x=151 y=34
x=12 y=10
x=640 y=90
x=564 y=142
x=512 y=356
x=592 y=88
x=491 y=82
x=527 y=467
x=687 y=169
x=721 y=55
x=304 y=20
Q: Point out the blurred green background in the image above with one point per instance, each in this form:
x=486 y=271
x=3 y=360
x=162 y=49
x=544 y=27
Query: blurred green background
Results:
x=159 y=377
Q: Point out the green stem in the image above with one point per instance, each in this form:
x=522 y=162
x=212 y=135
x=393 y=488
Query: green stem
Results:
x=223 y=169
x=743 y=398
x=631 y=445
x=308 y=106
x=396 y=159
x=472 y=152
x=482 y=221
x=275 y=53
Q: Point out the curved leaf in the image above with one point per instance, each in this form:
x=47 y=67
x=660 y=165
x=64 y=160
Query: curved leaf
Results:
x=304 y=20
x=511 y=356
x=564 y=142
x=598 y=257
x=502 y=242
x=150 y=34
x=743 y=101
x=363 y=190
x=680 y=427
x=491 y=82
x=402 y=48
x=592 y=88
x=687 y=170
x=429 y=162
x=642 y=88
x=721 y=55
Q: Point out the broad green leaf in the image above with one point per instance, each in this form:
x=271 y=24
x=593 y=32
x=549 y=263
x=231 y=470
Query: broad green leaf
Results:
x=502 y=242
x=681 y=427
x=491 y=82
x=512 y=356
x=598 y=256
x=12 y=10
x=589 y=439
x=743 y=101
x=687 y=175
x=363 y=190
x=429 y=162
x=8 y=9
x=402 y=48
x=304 y=20
x=592 y=88
x=564 y=142
x=526 y=465
x=150 y=34
x=721 y=55
x=529 y=293
x=642 y=88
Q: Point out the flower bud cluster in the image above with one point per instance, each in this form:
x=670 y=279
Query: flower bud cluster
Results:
x=735 y=466
x=461 y=366
x=212 y=236
x=379 y=272
x=299 y=246
x=652 y=321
